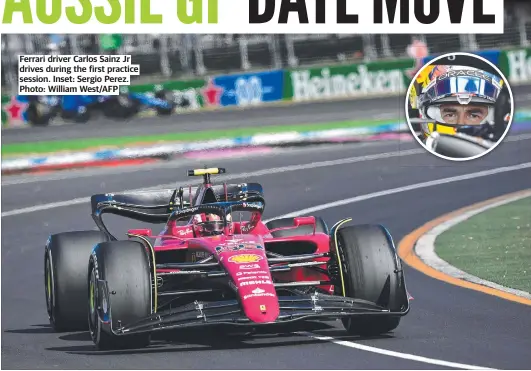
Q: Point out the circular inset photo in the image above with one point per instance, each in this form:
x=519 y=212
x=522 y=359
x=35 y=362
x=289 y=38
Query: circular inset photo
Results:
x=459 y=106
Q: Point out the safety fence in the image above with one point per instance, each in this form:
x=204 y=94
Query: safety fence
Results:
x=250 y=89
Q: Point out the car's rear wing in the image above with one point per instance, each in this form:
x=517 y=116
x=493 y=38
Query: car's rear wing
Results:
x=146 y=206
x=158 y=202
x=167 y=200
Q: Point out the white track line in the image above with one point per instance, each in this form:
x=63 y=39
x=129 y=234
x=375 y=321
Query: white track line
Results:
x=276 y=170
x=391 y=353
x=499 y=170
x=425 y=248
x=411 y=187
x=181 y=162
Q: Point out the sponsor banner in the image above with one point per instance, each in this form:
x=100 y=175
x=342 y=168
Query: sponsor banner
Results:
x=249 y=89
x=345 y=81
x=516 y=65
x=492 y=56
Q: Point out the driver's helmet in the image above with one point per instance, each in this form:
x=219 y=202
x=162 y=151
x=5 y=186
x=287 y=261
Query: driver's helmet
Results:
x=458 y=99
x=209 y=224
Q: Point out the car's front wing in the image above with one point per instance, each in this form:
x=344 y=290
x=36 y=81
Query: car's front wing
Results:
x=292 y=308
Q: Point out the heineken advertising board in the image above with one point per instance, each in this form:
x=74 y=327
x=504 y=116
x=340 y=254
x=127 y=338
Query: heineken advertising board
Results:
x=516 y=65
x=352 y=80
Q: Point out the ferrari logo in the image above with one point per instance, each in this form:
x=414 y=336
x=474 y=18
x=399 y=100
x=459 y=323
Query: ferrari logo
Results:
x=262 y=308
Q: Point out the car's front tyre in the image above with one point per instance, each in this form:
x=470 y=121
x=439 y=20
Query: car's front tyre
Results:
x=371 y=271
x=125 y=267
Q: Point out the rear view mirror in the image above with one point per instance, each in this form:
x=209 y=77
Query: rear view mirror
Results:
x=298 y=222
x=303 y=220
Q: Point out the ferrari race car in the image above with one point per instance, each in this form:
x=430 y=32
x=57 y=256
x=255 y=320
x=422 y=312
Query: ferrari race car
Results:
x=207 y=267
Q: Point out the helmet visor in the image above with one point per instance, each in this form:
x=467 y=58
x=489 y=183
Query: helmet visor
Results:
x=211 y=228
x=463 y=90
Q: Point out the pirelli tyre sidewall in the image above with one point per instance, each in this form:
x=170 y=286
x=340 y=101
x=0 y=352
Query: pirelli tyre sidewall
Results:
x=371 y=271
x=119 y=282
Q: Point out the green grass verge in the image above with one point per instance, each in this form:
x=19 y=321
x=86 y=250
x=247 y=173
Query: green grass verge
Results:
x=19 y=149
x=494 y=245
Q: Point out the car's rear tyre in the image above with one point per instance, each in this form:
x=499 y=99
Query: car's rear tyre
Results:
x=320 y=227
x=125 y=267
x=66 y=258
x=371 y=271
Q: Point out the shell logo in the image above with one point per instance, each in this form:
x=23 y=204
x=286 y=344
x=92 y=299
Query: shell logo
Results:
x=245 y=258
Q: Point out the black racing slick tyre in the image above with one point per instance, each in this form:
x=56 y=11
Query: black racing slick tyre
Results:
x=66 y=258
x=372 y=271
x=320 y=227
x=125 y=267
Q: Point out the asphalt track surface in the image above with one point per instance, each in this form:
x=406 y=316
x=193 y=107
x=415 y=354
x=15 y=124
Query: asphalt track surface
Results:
x=446 y=322
x=373 y=108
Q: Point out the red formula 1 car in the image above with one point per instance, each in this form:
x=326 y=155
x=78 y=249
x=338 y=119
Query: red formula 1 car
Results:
x=206 y=267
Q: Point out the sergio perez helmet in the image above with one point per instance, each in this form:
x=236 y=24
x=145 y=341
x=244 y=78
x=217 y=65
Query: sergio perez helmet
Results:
x=458 y=85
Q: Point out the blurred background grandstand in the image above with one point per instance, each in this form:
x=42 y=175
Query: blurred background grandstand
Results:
x=185 y=56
